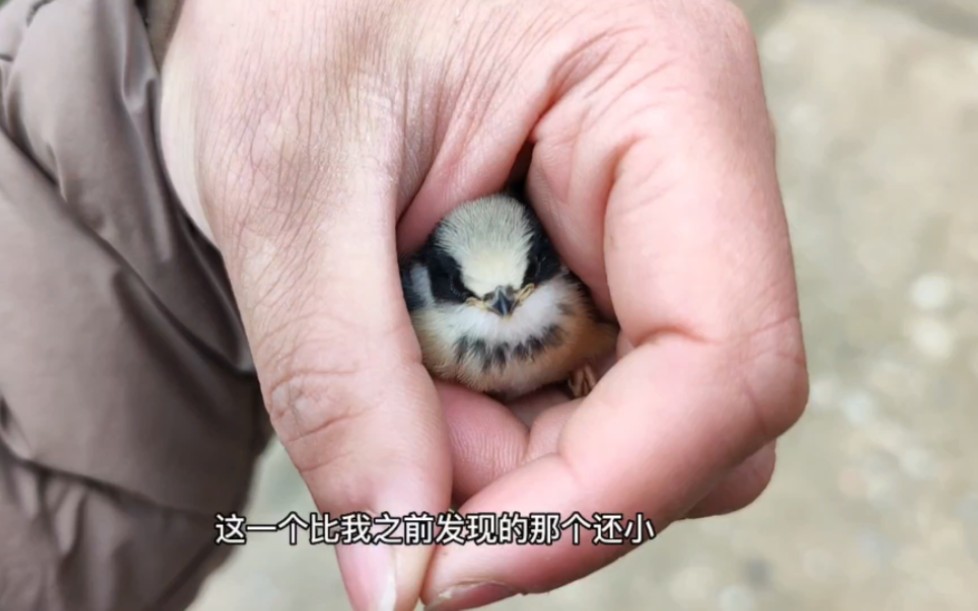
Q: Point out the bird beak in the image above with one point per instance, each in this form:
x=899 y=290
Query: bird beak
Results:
x=502 y=301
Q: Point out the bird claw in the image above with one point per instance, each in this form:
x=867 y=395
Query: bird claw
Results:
x=582 y=381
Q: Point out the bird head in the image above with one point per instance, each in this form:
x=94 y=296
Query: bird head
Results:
x=491 y=254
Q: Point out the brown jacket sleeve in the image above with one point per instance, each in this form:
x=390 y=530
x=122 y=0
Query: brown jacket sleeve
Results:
x=129 y=408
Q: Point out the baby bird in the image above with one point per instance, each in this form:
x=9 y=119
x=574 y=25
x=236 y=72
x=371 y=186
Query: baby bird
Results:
x=495 y=309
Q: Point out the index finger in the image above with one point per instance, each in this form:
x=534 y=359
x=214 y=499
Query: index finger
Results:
x=699 y=272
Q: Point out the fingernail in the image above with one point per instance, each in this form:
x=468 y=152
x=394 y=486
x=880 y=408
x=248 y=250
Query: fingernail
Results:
x=369 y=573
x=470 y=596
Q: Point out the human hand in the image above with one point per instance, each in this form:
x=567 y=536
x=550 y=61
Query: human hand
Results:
x=311 y=134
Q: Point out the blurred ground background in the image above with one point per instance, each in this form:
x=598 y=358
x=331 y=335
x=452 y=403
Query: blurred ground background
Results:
x=875 y=501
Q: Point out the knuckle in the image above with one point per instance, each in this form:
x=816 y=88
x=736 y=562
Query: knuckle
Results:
x=719 y=26
x=314 y=390
x=714 y=46
x=735 y=22
x=699 y=53
x=321 y=381
x=321 y=370
x=316 y=419
x=774 y=375
x=738 y=42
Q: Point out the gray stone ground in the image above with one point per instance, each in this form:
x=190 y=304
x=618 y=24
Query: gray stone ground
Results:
x=875 y=501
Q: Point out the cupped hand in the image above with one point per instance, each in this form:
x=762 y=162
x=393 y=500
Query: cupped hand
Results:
x=320 y=141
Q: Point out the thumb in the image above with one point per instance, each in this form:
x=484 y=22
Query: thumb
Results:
x=345 y=389
x=310 y=251
x=341 y=374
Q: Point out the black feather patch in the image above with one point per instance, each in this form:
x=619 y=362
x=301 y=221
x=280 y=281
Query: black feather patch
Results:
x=499 y=353
x=461 y=349
x=412 y=297
x=590 y=309
x=489 y=355
x=542 y=260
x=480 y=350
x=443 y=270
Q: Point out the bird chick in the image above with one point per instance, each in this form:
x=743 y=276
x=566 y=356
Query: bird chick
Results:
x=495 y=309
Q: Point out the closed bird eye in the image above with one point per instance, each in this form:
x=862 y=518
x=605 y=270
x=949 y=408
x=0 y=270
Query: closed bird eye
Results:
x=445 y=275
x=458 y=288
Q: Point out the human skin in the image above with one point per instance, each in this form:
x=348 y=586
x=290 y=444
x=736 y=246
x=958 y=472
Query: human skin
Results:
x=316 y=142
